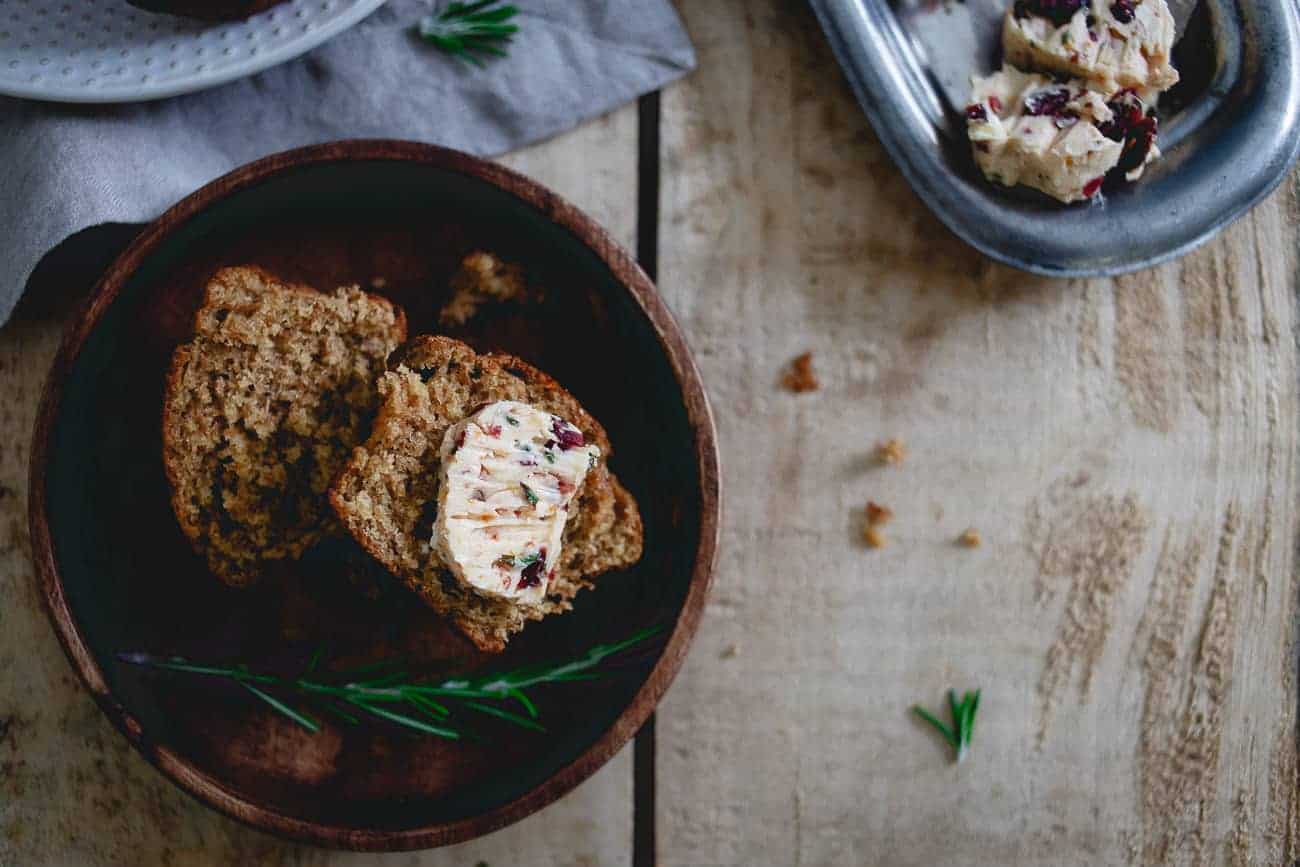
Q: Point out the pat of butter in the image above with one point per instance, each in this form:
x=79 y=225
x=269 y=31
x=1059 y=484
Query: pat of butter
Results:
x=1112 y=45
x=509 y=475
x=1030 y=129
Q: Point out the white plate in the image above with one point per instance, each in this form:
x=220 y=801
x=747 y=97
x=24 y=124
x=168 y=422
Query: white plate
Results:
x=108 y=51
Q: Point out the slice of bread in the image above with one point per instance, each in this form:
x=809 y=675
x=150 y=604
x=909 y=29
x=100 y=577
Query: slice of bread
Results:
x=386 y=496
x=262 y=409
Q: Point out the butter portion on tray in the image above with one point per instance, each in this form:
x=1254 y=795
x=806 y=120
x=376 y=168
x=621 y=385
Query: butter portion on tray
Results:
x=1082 y=111
x=1111 y=45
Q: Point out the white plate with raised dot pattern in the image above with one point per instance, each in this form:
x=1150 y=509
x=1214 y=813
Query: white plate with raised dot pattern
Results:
x=108 y=51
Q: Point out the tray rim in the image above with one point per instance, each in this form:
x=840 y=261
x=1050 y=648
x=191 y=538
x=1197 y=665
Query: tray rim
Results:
x=207 y=789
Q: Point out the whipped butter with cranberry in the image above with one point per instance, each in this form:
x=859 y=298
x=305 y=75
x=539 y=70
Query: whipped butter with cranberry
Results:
x=1111 y=44
x=1074 y=106
x=1058 y=137
x=509 y=475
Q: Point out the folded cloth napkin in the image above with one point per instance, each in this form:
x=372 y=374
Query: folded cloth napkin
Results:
x=71 y=167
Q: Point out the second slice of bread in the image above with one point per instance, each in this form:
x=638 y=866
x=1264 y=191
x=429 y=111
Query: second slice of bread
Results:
x=386 y=496
x=262 y=409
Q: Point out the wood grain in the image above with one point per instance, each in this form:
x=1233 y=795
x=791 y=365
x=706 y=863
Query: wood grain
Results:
x=71 y=789
x=1126 y=448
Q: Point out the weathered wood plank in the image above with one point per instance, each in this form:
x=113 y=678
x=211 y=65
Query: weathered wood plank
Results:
x=1126 y=448
x=72 y=791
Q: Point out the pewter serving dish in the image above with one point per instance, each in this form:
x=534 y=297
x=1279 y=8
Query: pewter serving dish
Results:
x=1230 y=129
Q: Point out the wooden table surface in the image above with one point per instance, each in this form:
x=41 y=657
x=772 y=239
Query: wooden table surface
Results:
x=1126 y=448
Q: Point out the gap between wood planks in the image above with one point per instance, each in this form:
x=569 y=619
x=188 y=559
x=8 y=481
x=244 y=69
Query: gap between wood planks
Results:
x=644 y=840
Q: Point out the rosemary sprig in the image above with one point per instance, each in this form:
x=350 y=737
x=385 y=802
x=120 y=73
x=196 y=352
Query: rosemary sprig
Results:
x=468 y=30
x=384 y=691
x=963 y=721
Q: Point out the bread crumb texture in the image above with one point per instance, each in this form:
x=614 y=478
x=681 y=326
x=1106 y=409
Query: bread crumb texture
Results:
x=970 y=538
x=261 y=410
x=482 y=279
x=387 y=494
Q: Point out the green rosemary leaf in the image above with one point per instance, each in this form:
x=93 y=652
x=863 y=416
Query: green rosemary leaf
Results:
x=409 y=722
x=526 y=702
x=528 y=494
x=571 y=678
x=429 y=706
x=940 y=727
x=305 y=721
x=340 y=713
x=971 y=703
x=378 y=682
x=515 y=718
x=315 y=659
x=178 y=664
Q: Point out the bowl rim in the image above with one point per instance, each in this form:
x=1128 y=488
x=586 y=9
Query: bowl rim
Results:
x=207 y=789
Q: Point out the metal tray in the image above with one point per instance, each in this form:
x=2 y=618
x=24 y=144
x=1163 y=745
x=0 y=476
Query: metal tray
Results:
x=1230 y=129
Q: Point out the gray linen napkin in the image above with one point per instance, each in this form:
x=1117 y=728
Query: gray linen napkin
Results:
x=69 y=167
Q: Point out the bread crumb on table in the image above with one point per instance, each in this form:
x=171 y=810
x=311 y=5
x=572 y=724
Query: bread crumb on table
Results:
x=730 y=651
x=873 y=537
x=800 y=376
x=892 y=451
x=878 y=515
x=969 y=539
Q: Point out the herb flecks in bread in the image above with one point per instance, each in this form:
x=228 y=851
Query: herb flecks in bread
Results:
x=262 y=409
x=387 y=494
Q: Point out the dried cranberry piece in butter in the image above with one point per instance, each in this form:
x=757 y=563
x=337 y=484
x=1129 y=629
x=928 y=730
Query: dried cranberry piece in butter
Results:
x=567 y=436
x=532 y=574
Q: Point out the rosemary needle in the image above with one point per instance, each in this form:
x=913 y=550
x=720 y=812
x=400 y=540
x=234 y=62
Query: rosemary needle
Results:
x=468 y=30
x=958 y=735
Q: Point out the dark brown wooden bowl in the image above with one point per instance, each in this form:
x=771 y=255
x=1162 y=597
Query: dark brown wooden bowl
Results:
x=208 y=10
x=118 y=576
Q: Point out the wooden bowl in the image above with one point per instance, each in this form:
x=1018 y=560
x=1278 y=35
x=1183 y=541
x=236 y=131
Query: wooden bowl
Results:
x=208 y=10
x=118 y=576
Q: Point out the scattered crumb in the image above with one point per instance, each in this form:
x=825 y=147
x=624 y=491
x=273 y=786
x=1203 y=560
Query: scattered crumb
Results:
x=483 y=277
x=873 y=537
x=730 y=651
x=891 y=451
x=970 y=538
x=378 y=282
x=878 y=515
x=800 y=376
